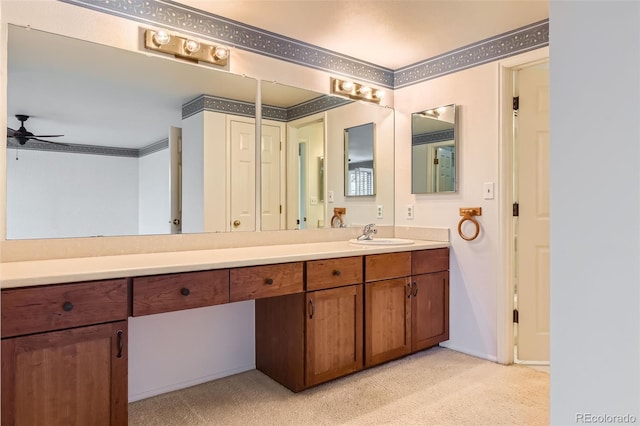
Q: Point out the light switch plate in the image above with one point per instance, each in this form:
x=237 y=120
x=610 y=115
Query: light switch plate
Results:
x=488 y=190
x=330 y=196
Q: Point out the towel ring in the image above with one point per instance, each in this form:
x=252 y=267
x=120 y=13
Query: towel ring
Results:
x=468 y=214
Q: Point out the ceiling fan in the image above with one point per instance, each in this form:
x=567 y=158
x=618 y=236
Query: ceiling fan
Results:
x=22 y=135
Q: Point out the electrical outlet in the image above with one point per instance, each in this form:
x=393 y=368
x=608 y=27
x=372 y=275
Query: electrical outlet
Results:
x=410 y=211
x=379 y=211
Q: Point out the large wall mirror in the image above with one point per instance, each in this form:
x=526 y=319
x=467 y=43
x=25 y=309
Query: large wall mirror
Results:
x=433 y=150
x=135 y=128
x=155 y=145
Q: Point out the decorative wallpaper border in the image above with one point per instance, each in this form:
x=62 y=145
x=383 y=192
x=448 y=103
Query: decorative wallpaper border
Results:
x=218 y=104
x=522 y=40
x=154 y=147
x=205 y=25
x=432 y=137
x=304 y=109
x=269 y=112
x=92 y=149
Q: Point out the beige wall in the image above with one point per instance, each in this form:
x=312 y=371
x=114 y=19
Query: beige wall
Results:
x=473 y=264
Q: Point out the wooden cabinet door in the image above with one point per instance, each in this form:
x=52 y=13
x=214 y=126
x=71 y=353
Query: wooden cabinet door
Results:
x=429 y=310
x=334 y=333
x=387 y=320
x=70 y=377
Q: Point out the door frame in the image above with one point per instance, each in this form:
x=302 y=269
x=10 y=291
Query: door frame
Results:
x=291 y=150
x=505 y=293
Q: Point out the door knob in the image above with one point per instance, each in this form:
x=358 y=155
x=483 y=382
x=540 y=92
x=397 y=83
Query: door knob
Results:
x=236 y=223
x=176 y=222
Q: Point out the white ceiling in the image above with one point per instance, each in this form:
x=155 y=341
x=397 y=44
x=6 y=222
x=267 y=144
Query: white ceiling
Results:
x=390 y=33
x=99 y=101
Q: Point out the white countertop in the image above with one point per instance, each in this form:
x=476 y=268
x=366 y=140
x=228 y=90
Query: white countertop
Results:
x=55 y=271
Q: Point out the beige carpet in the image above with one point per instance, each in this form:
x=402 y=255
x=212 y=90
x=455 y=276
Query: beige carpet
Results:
x=433 y=387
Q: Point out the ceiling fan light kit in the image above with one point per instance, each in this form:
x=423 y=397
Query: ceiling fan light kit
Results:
x=185 y=48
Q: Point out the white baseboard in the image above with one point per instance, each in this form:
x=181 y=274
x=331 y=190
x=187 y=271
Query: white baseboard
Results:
x=453 y=347
x=189 y=383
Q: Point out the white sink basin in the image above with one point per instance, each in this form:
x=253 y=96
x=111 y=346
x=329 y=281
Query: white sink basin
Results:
x=382 y=242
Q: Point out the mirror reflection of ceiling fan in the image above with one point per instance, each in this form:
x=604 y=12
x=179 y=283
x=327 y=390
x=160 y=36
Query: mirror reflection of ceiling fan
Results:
x=22 y=135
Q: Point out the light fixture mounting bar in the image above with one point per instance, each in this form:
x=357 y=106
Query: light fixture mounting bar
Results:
x=357 y=91
x=184 y=48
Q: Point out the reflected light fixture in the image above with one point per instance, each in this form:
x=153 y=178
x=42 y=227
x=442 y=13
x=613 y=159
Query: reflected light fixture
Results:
x=433 y=113
x=185 y=48
x=357 y=91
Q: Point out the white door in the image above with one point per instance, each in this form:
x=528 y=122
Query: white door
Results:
x=271 y=187
x=445 y=169
x=243 y=176
x=532 y=253
x=175 y=154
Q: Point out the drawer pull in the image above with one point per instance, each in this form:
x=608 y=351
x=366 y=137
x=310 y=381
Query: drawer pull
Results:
x=336 y=272
x=120 y=343
x=268 y=281
x=185 y=291
x=409 y=290
x=67 y=306
x=311 y=309
x=415 y=289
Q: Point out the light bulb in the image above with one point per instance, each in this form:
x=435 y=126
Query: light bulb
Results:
x=161 y=38
x=365 y=90
x=191 y=46
x=378 y=94
x=346 y=86
x=221 y=52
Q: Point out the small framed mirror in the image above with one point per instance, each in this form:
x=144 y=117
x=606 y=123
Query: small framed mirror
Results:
x=433 y=150
x=359 y=165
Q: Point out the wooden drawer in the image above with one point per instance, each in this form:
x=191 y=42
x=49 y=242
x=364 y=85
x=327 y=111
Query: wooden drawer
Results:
x=55 y=307
x=389 y=265
x=174 y=292
x=330 y=273
x=428 y=261
x=255 y=282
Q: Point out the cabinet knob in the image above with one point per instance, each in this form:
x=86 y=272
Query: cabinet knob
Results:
x=236 y=223
x=67 y=306
x=336 y=272
x=185 y=292
x=268 y=281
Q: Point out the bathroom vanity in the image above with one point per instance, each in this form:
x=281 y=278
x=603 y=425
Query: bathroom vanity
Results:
x=322 y=310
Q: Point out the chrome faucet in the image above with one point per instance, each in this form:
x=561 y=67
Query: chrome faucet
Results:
x=368 y=232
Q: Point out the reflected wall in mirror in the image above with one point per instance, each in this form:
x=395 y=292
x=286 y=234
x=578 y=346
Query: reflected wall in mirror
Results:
x=146 y=142
x=359 y=163
x=311 y=127
x=433 y=150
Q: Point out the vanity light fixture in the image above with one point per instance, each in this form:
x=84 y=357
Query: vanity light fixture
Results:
x=357 y=91
x=184 y=48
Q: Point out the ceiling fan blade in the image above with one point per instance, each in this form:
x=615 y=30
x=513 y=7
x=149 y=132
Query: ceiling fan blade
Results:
x=10 y=132
x=45 y=136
